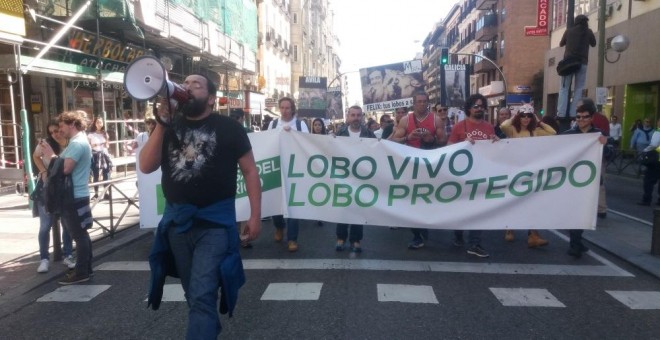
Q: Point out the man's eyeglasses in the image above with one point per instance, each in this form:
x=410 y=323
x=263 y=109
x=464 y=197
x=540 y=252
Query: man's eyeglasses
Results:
x=477 y=106
x=582 y=117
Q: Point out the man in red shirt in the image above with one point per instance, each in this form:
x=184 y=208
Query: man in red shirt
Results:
x=423 y=130
x=473 y=128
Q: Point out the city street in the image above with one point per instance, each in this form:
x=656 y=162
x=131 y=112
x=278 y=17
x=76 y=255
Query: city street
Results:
x=387 y=291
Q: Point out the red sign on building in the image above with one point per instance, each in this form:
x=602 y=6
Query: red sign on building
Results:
x=541 y=27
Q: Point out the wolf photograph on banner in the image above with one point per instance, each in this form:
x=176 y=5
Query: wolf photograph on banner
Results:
x=455 y=85
x=390 y=86
x=312 y=97
x=333 y=100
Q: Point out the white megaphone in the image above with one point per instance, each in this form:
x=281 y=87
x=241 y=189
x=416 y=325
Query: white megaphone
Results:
x=146 y=78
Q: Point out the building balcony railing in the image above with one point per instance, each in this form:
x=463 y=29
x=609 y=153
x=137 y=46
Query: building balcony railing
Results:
x=486 y=28
x=481 y=65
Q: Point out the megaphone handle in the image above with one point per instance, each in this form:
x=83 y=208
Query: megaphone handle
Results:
x=170 y=103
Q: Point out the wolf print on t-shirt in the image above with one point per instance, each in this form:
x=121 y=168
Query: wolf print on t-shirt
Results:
x=196 y=149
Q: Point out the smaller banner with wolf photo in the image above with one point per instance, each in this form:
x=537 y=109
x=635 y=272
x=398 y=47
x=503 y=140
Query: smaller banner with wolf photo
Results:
x=333 y=98
x=387 y=87
x=454 y=80
x=311 y=97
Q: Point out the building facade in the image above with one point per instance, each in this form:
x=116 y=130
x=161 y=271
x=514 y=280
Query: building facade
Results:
x=632 y=77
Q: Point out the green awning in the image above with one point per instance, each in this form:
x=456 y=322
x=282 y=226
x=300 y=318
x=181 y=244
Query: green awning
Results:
x=62 y=69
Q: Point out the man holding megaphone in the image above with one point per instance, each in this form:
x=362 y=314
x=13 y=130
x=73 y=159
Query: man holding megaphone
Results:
x=198 y=152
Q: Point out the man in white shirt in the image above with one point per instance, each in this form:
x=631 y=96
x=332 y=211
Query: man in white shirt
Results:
x=287 y=122
x=288 y=117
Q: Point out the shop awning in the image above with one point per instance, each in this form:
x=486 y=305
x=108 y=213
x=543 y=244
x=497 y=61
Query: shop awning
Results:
x=62 y=69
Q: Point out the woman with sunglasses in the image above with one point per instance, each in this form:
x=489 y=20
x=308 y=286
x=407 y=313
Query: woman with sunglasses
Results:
x=47 y=220
x=526 y=124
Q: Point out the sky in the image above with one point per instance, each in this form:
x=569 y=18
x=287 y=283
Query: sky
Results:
x=380 y=32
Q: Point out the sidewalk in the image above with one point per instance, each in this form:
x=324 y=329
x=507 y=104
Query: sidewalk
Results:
x=19 y=247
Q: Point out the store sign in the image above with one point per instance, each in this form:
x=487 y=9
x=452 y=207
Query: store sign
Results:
x=541 y=27
x=114 y=54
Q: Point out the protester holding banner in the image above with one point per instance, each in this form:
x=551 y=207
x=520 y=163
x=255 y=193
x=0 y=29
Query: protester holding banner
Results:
x=286 y=122
x=353 y=129
x=423 y=130
x=584 y=124
x=652 y=173
x=526 y=124
x=197 y=238
x=473 y=128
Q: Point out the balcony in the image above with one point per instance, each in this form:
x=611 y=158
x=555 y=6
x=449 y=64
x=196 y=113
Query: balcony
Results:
x=484 y=5
x=481 y=65
x=486 y=28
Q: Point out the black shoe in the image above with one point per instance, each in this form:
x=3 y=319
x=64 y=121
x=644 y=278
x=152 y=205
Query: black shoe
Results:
x=602 y=215
x=644 y=203
x=476 y=250
x=575 y=252
x=459 y=242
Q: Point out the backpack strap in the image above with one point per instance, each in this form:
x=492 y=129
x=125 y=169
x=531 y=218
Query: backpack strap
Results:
x=298 y=124
x=275 y=123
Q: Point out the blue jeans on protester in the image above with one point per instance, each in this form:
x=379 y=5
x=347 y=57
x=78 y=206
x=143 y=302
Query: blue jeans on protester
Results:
x=198 y=254
x=291 y=226
x=46 y=221
x=580 y=79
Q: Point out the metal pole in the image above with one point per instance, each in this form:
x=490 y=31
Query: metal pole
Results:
x=602 y=4
x=506 y=87
x=25 y=126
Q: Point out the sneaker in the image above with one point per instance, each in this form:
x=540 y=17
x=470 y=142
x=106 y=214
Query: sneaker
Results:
x=293 y=246
x=602 y=215
x=69 y=262
x=476 y=250
x=575 y=252
x=416 y=244
x=73 y=278
x=279 y=234
x=43 y=266
x=340 y=245
x=509 y=236
x=356 y=248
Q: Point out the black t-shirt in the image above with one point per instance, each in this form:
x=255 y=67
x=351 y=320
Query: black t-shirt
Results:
x=199 y=160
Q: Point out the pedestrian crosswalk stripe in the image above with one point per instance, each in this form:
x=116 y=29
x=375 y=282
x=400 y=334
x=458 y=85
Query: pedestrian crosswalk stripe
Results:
x=411 y=266
x=293 y=291
x=405 y=293
x=637 y=299
x=173 y=293
x=124 y=266
x=74 y=293
x=526 y=297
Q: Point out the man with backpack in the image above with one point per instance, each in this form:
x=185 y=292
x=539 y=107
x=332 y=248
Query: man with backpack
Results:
x=287 y=122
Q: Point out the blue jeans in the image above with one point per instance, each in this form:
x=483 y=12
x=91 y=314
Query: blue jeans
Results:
x=198 y=254
x=356 y=232
x=580 y=79
x=73 y=223
x=291 y=224
x=474 y=237
x=46 y=221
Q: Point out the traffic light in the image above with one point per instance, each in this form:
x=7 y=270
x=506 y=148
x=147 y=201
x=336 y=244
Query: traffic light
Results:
x=444 y=56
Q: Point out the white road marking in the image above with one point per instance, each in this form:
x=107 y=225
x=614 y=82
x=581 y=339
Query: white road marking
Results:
x=411 y=266
x=74 y=293
x=406 y=293
x=526 y=297
x=630 y=217
x=596 y=256
x=293 y=291
x=637 y=299
x=173 y=293
x=124 y=266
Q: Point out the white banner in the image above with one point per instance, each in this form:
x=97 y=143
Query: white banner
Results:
x=540 y=183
